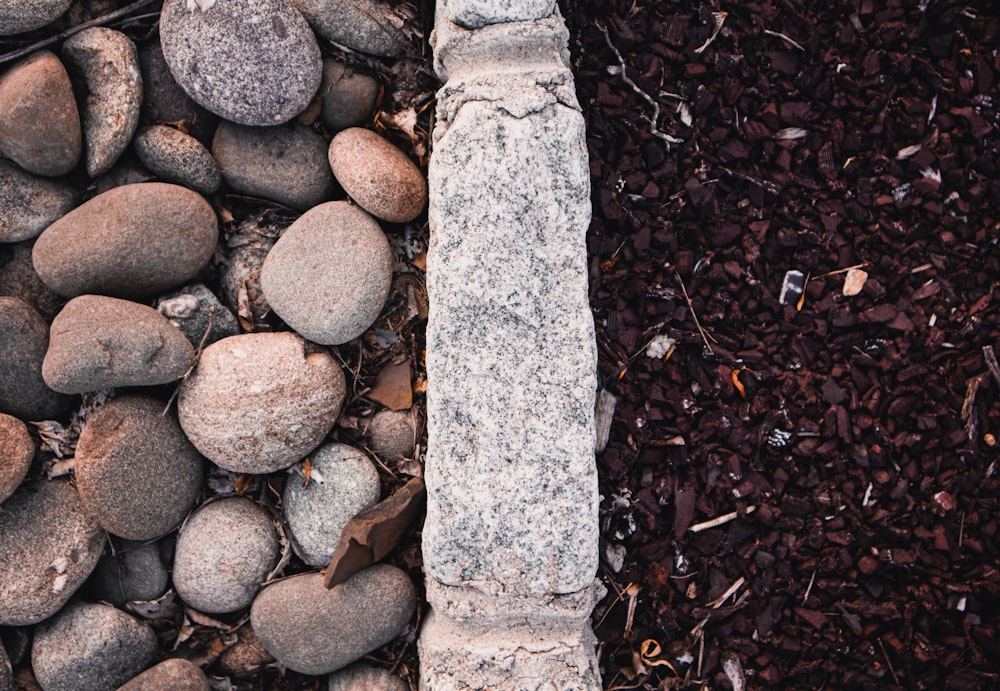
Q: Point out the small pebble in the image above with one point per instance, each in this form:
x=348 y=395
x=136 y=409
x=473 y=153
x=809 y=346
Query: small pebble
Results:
x=177 y=157
x=133 y=572
x=392 y=434
x=24 y=338
x=348 y=96
x=175 y=674
x=29 y=204
x=363 y=677
x=16 y=453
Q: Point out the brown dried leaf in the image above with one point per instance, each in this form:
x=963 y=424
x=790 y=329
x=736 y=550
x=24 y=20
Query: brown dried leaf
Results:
x=392 y=387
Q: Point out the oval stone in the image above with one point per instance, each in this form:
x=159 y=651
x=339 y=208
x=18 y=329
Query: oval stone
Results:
x=175 y=674
x=132 y=241
x=28 y=204
x=348 y=96
x=16 y=453
x=133 y=572
x=367 y=26
x=178 y=157
x=17 y=16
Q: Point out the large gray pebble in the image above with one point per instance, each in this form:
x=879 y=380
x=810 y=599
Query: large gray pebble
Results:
x=392 y=434
x=131 y=241
x=223 y=555
x=348 y=96
x=16 y=453
x=363 y=677
x=48 y=546
x=91 y=647
x=24 y=338
x=377 y=175
x=254 y=62
x=175 y=674
x=329 y=274
x=178 y=157
x=19 y=279
x=17 y=16
x=133 y=572
x=109 y=64
x=259 y=402
x=39 y=118
x=342 y=482
x=98 y=342
x=163 y=101
x=313 y=630
x=367 y=26
x=136 y=471
x=197 y=312
x=286 y=164
x=29 y=204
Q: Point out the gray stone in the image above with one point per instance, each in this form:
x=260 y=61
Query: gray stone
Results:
x=163 y=101
x=39 y=118
x=98 y=342
x=136 y=471
x=245 y=656
x=367 y=26
x=109 y=64
x=24 y=337
x=17 y=16
x=259 y=402
x=178 y=157
x=175 y=674
x=223 y=555
x=195 y=310
x=44 y=560
x=348 y=96
x=329 y=274
x=342 y=482
x=474 y=14
x=253 y=62
x=19 y=279
x=363 y=677
x=133 y=572
x=28 y=204
x=377 y=175
x=286 y=164
x=16 y=453
x=313 y=630
x=90 y=647
x=392 y=434
x=131 y=241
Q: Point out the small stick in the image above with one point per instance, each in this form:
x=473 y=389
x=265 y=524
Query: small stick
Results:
x=784 y=38
x=694 y=314
x=719 y=520
x=715 y=604
x=839 y=271
x=888 y=661
x=809 y=587
x=991 y=362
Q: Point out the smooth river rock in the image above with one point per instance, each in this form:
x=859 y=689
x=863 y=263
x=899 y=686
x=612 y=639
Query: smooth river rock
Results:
x=259 y=402
x=24 y=338
x=178 y=157
x=132 y=241
x=28 y=204
x=175 y=674
x=133 y=572
x=17 y=16
x=392 y=434
x=16 y=453
x=367 y=26
x=348 y=96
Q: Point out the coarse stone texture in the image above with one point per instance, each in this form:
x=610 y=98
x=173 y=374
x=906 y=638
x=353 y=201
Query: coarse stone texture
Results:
x=24 y=338
x=195 y=310
x=175 y=674
x=163 y=100
x=133 y=572
x=392 y=434
x=39 y=118
x=28 y=204
x=178 y=157
x=99 y=342
x=348 y=96
x=329 y=274
x=313 y=630
x=43 y=561
x=223 y=555
x=475 y=14
x=16 y=453
x=259 y=402
x=17 y=16
x=90 y=647
x=342 y=481
x=377 y=175
x=136 y=471
x=131 y=241
x=19 y=279
x=286 y=164
x=367 y=26
x=363 y=677
x=109 y=64
x=253 y=62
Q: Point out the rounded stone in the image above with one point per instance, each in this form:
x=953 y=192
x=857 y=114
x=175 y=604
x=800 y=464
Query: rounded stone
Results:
x=342 y=482
x=16 y=453
x=377 y=175
x=367 y=26
x=177 y=157
x=329 y=274
x=259 y=402
x=132 y=241
x=223 y=555
x=253 y=62
x=90 y=647
x=18 y=16
x=136 y=471
x=29 y=204
x=286 y=164
x=133 y=572
x=363 y=677
x=348 y=96
x=392 y=434
x=98 y=342
x=24 y=338
x=39 y=118
x=48 y=546
x=175 y=674
x=313 y=630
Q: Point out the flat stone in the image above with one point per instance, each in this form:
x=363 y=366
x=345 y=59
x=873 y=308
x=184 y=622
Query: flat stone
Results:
x=133 y=572
x=19 y=279
x=175 y=674
x=367 y=26
x=43 y=561
x=286 y=164
x=28 y=204
x=24 y=338
x=195 y=310
x=392 y=434
x=98 y=342
x=342 y=482
x=178 y=157
x=163 y=101
x=313 y=630
x=474 y=14
x=16 y=453
x=259 y=402
x=253 y=62
x=17 y=16
x=377 y=175
x=329 y=274
x=109 y=64
x=107 y=245
x=39 y=118
x=363 y=677
x=348 y=96
x=223 y=555
x=91 y=647
x=136 y=471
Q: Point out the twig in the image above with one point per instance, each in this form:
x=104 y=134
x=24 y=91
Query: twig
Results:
x=809 y=587
x=888 y=661
x=694 y=314
x=991 y=362
x=719 y=520
x=784 y=38
x=715 y=604
x=838 y=271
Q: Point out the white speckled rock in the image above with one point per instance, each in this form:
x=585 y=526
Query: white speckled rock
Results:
x=367 y=26
x=223 y=555
x=363 y=677
x=313 y=630
x=348 y=96
x=178 y=157
x=133 y=572
x=175 y=674
x=329 y=274
x=24 y=338
x=28 y=204
x=17 y=16
x=342 y=482
x=253 y=62
x=377 y=175
x=259 y=402
x=16 y=453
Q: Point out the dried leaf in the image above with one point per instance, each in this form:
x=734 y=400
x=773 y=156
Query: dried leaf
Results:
x=392 y=387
